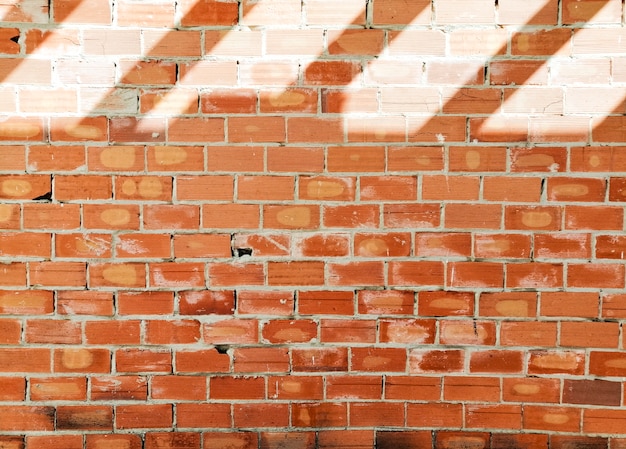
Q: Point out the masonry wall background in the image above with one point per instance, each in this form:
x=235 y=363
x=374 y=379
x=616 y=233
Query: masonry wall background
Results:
x=337 y=224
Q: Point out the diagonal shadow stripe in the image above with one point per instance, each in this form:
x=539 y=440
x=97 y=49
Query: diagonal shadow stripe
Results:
x=442 y=124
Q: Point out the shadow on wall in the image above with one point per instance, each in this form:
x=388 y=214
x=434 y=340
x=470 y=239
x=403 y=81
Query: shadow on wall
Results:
x=172 y=60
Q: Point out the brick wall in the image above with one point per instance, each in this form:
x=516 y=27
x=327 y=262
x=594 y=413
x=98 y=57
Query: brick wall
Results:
x=329 y=223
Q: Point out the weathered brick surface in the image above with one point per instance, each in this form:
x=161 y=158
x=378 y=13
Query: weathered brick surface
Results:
x=336 y=224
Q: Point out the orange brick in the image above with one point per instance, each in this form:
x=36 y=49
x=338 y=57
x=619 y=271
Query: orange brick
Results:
x=534 y=275
x=291 y=216
x=266 y=188
x=295 y=273
x=322 y=245
x=361 y=331
x=470 y=388
x=231 y=159
x=171 y=216
x=434 y=414
x=499 y=416
x=531 y=390
x=223 y=274
x=350 y=387
x=572 y=304
x=233 y=216
x=172 y=158
x=595 y=275
x=143 y=360
x=563 y=419
x=208 y=12
x=47 y=215
x=179 y=388
x=113 y=332
x=82 y=360
x=54 y=158
x=91 y=188
x=450 y=187
x=59 y=388
x=143 y=416
x=508 y=304
x=407 y=330
x=385 y=302
x=467 y=333
x=325 y=302
x=232 y=101
x=589 y=335
x=204 y=188
x=59 y=274
x=496 y=361
x=313 y=129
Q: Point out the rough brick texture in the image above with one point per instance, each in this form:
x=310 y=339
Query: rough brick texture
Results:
x=323 y=223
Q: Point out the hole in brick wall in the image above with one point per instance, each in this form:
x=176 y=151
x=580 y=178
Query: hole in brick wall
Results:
x=241 y=252
x=222 y=349
x=44 y=197
x=15 y=38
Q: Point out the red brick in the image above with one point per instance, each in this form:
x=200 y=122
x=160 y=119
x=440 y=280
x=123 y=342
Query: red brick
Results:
x=179 y=388
x=143 y=360
x=468 y=388
x=55 y=441
x=145 y=303
x=556 y=362
x=14 y=389
x=499 y=416
x=416 y=273
x=264 y=360
x=271 y=440
x=439 y=414
x=376 y=414
x=296 y=387
x=322 y=245
x=289 y=331
x=356 y=273
x=320 y=415
x=250 y=302
x=320 y=359
x=399 y=330
x=562 y=419
x=202 y=361
x=475 y=274
x=534 y=275
x=528 y=333
x=594 y=218
x=453 y=332
x=64 y=388
x=166 y=332
x=354 y=331
x=261 y=415
x=82 y=360
x=26 y=418
x=52 y=332
x=436 y=361
x=354 y=387
x=597 y=392
x=143 y=416
x=386 y=302
x=85 y=417
x=596 y=275
x=119 y=388
x=325 y=302
x=206 y=302
x=572 y=304
x=183 y=440
x=531 y=390
x=496 y=361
